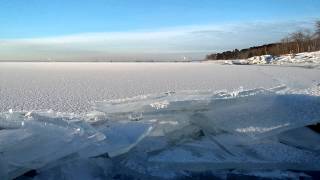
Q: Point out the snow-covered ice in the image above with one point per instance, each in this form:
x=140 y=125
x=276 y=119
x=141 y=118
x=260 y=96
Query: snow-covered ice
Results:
x=166 y=120
x=73 y=87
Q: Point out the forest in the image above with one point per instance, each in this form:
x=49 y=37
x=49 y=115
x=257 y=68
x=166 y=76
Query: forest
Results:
x=297 y=42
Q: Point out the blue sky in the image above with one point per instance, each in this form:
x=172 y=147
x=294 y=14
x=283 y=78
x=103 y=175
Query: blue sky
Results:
x=133 y=29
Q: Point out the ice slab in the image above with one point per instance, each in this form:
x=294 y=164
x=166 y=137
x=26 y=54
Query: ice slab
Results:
x=33 y=141
x=121 y=137
x=200 y=131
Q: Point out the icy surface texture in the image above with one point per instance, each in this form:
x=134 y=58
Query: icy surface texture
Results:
x=169 y=135
x=71 y=87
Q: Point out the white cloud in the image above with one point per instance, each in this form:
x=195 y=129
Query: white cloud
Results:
x=169 y=43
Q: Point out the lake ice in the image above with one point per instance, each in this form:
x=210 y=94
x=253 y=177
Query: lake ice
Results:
x=157 y=120
x=73 y=87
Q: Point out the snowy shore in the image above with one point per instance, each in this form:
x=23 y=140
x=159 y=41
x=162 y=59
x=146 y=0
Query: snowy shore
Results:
x=306 y=58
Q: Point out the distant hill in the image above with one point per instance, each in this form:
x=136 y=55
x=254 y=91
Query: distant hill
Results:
x=301 y=41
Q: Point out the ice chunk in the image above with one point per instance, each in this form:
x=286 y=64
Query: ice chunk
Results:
x=205 y=154
x=235 y=130
x=303 y=138
x=80 y=169
x=260 y=115
x=41 y=140
x=121 y=137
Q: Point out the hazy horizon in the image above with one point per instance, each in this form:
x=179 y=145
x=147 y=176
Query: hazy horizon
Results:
x=141 y=30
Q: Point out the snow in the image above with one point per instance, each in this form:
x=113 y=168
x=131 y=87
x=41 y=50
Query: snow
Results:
x=157 y=120
x=74 y=87
x=311 y=58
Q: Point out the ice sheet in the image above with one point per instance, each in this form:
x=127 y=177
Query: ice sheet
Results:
x=73 y=87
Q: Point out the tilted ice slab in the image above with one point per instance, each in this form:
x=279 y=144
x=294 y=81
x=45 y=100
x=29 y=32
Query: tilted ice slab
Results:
x=170 y=133
x=254 y=129
x=36 y=140
x=33 y=140
x=253 y=113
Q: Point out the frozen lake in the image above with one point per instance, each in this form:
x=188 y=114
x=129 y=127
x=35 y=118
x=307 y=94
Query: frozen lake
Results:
x=72 y=87
x=247 y=126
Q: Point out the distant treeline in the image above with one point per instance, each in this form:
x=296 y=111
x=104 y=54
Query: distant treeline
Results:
x=300 y=41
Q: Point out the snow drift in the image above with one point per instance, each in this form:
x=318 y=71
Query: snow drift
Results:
x=166 y=136
x=301 y=58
